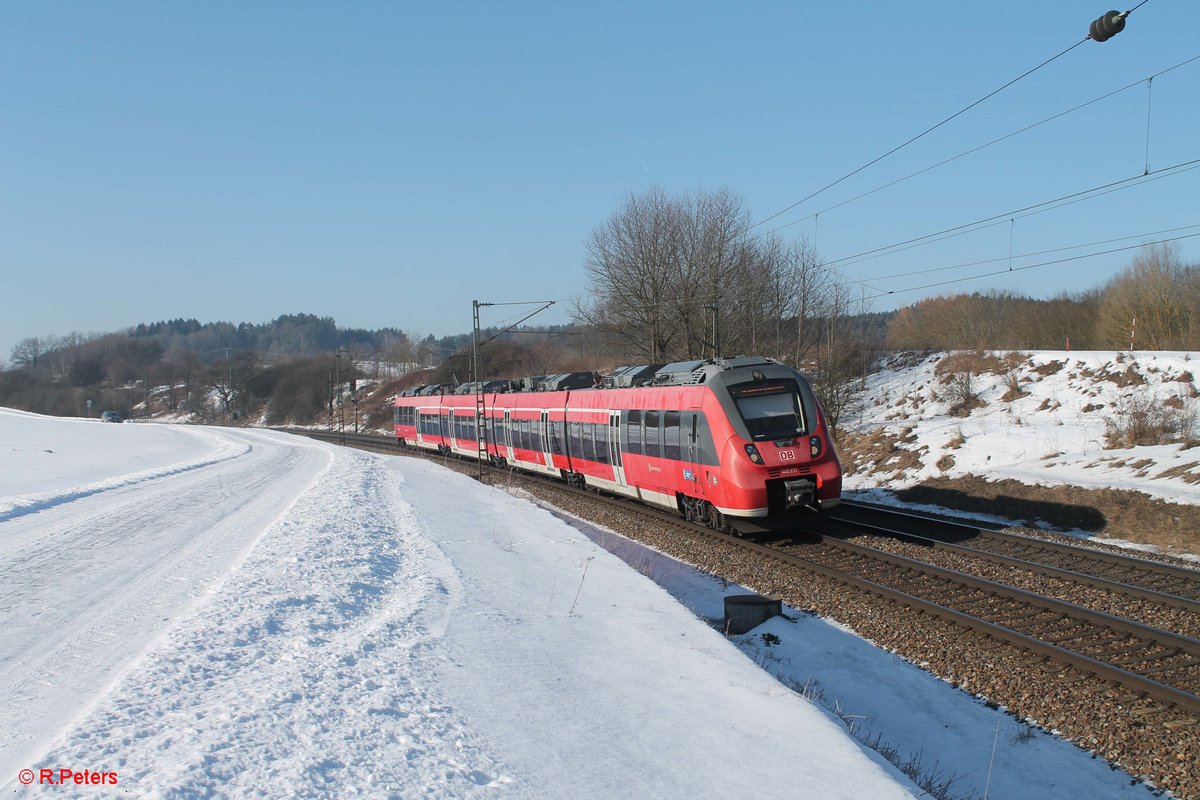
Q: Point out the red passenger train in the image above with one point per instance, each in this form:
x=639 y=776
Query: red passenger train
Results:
x=738 y=442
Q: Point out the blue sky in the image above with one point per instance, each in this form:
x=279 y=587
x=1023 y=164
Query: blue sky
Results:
x=386 y=163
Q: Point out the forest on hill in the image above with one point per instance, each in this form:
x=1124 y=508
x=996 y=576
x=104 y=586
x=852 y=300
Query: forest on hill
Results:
x=668 y=278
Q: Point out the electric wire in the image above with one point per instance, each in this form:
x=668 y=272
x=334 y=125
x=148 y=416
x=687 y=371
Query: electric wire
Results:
x=925 y=132
x=1030 y=210
x=1011 y=256
x=1030 y=266
x=998 y=140
x=998 y=222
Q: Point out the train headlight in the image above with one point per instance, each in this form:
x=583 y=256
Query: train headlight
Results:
x=814 y=445
x=752 y=451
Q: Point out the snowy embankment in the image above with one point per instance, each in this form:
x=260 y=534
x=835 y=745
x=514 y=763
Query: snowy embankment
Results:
x=285 y=618
x=305 y=620
x=1042 y=417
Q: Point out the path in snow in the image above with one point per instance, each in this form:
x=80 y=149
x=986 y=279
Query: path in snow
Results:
x=92 y=579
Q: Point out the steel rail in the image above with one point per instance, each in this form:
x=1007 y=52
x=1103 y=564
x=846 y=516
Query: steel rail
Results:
x=1163 y=598
x=980 y=531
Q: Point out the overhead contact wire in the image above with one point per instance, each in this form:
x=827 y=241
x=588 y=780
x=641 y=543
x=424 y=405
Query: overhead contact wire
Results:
x=986 y=145
x=925 y=132
x=978 y=224
x=1031 y=266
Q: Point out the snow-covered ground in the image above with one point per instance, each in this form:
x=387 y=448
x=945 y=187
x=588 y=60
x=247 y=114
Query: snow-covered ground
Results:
x=1054 y=433
x=237 y=613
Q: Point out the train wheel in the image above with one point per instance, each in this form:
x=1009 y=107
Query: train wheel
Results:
x=716 y=520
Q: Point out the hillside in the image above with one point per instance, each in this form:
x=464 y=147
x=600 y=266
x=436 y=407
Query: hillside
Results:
x=1099 y=443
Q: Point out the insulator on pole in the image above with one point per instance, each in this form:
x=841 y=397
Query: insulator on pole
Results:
x=1107 y=26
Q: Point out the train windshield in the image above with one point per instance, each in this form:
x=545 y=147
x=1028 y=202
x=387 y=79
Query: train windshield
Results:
x=771 y=411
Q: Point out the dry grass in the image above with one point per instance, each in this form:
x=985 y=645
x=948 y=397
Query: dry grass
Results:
x=1049 y=368
x=878 y=451
x=975 y=363
x=1130 y=377
x=377 y=406
x=1183 y=472
x=1115 y=513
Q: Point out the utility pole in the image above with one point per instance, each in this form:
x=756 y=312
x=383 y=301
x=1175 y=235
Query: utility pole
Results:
x=480 y=418
x=340 y=406
x=715 y=310
x=480 y=430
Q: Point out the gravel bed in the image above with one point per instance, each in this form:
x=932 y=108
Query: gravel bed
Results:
x=1104 y=547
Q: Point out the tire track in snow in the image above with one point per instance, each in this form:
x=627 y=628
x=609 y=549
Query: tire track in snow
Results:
x=109 y=576
x=304 y=674
x=20 y=505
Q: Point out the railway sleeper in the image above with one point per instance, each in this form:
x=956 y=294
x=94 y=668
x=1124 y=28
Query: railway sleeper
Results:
x=1130 y=646
x=1172 y=667
x=1186 y=722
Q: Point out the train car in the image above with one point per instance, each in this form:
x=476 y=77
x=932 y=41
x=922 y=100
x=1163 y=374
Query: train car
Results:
x=739 y=443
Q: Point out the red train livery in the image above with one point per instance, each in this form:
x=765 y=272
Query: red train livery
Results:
x=737 y=442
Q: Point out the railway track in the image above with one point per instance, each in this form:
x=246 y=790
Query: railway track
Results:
x=1145 y=660
x=1167 y=584
x=1142 y=658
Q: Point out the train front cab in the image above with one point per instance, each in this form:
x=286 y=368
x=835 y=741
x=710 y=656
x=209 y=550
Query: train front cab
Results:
x=778 y=459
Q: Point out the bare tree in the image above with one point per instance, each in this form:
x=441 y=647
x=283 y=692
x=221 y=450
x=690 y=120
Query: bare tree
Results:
x=28 y=352
x=669 y=275
x=1162 y=293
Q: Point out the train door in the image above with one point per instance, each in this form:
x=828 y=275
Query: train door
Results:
x=547 y=457
x=420 y=420
x=692 y=470
x=506 y=440
x=614 y=447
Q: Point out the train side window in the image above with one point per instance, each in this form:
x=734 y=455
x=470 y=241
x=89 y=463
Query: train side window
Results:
x=653 y=437
x=556 y=437
x=600 y=431
x=671 y=435
x=589 y=447
x=535 y=434
x=635 y=432
x=574 y=443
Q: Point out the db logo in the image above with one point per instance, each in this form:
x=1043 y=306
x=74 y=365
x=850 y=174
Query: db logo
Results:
x=787 y=455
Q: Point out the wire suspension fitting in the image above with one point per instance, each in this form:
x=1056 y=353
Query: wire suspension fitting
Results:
x=1107 y=26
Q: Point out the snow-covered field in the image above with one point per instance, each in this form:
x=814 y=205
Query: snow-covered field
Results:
x=236 y=613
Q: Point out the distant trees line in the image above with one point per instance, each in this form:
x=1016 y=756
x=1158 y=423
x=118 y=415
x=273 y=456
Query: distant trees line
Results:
x=681 y=277
x=1158 y=290
x=668 y=279
x=668 y=275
